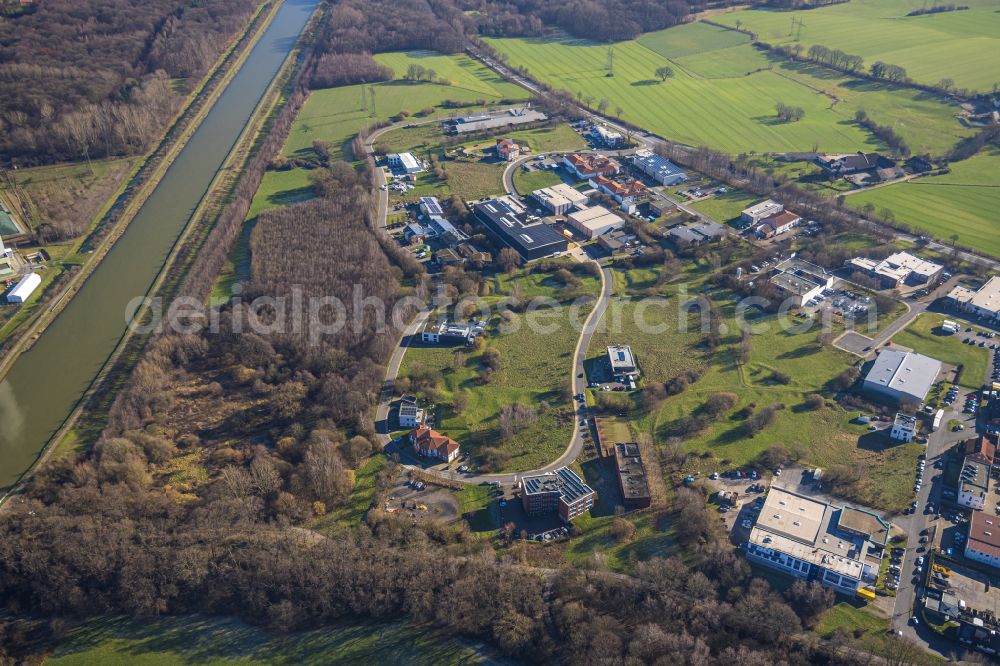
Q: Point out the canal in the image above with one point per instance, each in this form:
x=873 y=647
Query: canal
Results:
x=46 y=382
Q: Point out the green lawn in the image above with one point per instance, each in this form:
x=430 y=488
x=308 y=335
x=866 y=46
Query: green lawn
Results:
x=717 y=96
x=849 y=617
x=963 y=202
x=169 y=641
x=923 y=337
x=930 y=47
x=535 y=370
x=726 y=208
x=529 y=181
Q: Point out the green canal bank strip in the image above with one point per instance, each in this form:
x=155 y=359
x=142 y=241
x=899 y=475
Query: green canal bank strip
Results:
x=115 y=368
x=156 y=162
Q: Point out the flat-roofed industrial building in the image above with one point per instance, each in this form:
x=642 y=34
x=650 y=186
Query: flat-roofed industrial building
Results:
x=594 y=221
x=983 y=302
x=902 y=376
x=842 y=548
x=632 y=480
x=560 y=198
x=530 y=236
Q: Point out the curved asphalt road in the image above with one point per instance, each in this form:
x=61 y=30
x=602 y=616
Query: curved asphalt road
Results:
x=577 y=375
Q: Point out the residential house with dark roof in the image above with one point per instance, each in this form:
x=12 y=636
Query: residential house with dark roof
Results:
x=841 y=165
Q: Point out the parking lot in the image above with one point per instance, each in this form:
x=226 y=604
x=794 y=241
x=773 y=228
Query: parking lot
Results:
x=972 y=586
x=421 y=501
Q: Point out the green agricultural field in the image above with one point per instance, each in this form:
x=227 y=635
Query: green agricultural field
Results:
x=963 y=46
x=964 y=202
x=535 y=368
x=731 y=114
x=336 y=114
x=281 y=188
x=170 y=641
x=724 y=95
x=924 y=337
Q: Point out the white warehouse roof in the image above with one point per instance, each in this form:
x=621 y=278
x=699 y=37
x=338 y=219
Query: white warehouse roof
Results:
x=24 y=288
x=902 y=374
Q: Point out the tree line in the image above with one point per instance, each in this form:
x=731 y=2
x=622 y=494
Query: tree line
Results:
x=93 y=78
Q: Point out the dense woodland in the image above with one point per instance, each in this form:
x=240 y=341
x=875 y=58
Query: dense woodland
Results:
x=612 y=20
x=92 y=78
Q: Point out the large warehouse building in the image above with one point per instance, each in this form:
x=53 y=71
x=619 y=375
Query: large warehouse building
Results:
x=805 y=538
x=983 y=302
x=594 y=221
x=512 y=224
x=902 y=376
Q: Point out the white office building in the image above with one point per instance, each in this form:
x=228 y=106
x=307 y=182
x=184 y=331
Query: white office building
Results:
x=756 y=213
x=799 y=536
x=904 y=428
x=405 y=162
x=560 y=198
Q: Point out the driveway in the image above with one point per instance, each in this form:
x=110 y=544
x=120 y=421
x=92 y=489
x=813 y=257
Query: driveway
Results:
x=856 y=343
x=937 y=444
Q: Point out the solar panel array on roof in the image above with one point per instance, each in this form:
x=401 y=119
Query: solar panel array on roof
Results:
x=530 y=236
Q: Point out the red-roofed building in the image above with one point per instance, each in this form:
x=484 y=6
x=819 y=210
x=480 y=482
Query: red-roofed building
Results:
x=778 y=223
x=624 y=191
x=588 y=166
x=507 y=150
x=432 y=444
x=981 y=450
x=984 y=539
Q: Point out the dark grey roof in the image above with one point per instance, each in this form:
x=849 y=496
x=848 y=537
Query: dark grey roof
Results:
x=524 y=235
x=564 y=481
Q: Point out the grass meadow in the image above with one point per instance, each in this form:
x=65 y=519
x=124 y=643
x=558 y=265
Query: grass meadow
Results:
x=535 y=369
x=195 y=639
x=963 y=202
x=824 y=436
x=924 y=337
x=724 y=91
x=963 y=46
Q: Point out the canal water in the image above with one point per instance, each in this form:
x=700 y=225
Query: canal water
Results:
x=45 y=383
